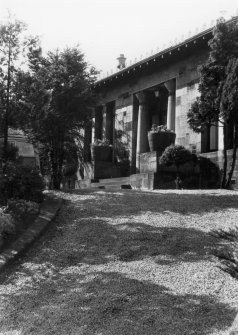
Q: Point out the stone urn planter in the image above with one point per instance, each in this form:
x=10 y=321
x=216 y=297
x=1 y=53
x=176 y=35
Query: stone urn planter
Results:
x=101 y=151
x=160 y=138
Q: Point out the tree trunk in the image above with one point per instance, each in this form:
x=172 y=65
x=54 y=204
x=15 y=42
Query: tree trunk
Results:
x=223 y=183
x=55 y=178
x=233 y=162
x=6 y=123
x=178 y=181
x=56 y=161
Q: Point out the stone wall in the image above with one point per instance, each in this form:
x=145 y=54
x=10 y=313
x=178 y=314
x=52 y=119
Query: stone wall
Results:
x=187 y=77
x=186 y=93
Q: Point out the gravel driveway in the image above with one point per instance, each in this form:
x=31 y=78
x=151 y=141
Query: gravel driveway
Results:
x=125 y=263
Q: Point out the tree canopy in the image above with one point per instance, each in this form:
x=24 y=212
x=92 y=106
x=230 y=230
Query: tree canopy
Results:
x=11 y=49
x=217 y=103
x=58 y=101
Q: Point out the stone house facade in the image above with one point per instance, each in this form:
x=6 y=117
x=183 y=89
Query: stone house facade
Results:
x=156 y=90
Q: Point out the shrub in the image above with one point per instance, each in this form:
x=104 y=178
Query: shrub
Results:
x=6 y=222
x=101 y=143
x=177 y=155
x=12 y=152
x=209 y=173
x=191 y=182
x=156 y=129
x=20 y=208
x=21 y=182
x=228 y=253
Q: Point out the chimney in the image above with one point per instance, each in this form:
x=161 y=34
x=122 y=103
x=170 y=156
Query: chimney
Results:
x=122 y=62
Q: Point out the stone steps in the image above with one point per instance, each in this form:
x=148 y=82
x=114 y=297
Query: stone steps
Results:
x=112 y=183
x=115 y=180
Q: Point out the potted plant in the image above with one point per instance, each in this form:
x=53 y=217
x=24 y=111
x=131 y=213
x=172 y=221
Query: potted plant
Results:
x=160 y=137
x=101 y=150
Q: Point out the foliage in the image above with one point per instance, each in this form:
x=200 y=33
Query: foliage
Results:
x=175 y=154
x=12 y=46
x=58 y=101
x=21 y=182
x=156 y=129
x=15 y=218
x=20 y=207
x=11 y=151
x=6 y=221
x=228 y=255
x=70 y=163
x=101 y=143
x=209 y=173
x=218 y=89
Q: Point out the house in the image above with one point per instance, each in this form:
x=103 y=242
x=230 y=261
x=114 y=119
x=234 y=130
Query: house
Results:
x=26 y=151
x=156 y=90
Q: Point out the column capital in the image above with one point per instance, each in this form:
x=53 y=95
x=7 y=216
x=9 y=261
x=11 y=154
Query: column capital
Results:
x=141 y=97
x=170 y=85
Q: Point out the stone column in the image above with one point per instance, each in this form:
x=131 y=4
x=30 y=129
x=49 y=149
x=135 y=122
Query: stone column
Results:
x=93 y=127
x=142 y=128
x=104 y=121
x=170 y=85
x=220 y=136
x=109 y=123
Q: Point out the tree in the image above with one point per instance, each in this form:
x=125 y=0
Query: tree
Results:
x=58 y=101
x=213 y=108
x=229 y=106
x=12 y=46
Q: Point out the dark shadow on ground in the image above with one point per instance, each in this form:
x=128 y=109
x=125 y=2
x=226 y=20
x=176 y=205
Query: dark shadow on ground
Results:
x=67 y=301
x=61 y=288
x=99 y=242
x=96 y=241
x=159 y=202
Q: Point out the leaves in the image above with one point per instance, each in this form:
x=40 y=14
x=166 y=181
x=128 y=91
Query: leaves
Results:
x=57 y=102
x=175 y=154
x=212 y=105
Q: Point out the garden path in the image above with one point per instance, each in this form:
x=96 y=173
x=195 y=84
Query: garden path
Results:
x=125 y=263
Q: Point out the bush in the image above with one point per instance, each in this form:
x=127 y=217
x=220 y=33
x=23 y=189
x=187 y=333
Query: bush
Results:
x=20 y=208
x=228 y=253
x=21 y=182
x=209 y=173
x=15 y=218
x=175 y=154
x=12 y=152
x=6 y=222
x=203 y=172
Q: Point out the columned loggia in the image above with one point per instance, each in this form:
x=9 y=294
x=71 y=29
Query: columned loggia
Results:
x=142 y=127
x=170 y=85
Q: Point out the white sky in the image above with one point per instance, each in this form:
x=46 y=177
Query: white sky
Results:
x=106 y=28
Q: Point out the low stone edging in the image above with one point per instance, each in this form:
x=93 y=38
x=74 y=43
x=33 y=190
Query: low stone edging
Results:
x=48 y=211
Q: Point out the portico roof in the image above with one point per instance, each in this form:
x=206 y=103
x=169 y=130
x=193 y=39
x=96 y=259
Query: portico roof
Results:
x=196 y=41
x=161 y=55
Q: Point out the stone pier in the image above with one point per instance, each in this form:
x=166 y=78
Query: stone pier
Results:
x=170 y=85
x=142 y=127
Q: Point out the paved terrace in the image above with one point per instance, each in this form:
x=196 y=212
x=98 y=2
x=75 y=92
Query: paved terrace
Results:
x=125 y=263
